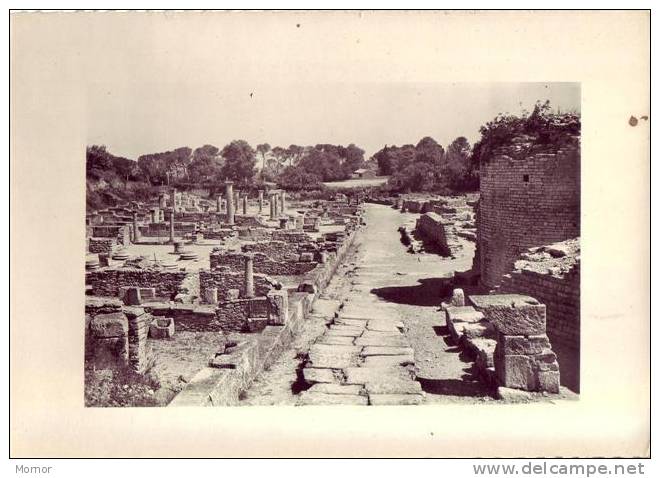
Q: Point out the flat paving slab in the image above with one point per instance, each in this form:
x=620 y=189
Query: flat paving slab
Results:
x=316 y=398
x=395 y=399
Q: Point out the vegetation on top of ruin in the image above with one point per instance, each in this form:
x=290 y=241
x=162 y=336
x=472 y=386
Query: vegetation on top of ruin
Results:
x=541 y=128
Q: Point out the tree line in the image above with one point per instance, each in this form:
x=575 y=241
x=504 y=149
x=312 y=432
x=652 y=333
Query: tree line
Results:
x=425 y=166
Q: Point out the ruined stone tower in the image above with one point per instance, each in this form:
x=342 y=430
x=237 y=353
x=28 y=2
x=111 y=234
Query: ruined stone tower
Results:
x=529 y=197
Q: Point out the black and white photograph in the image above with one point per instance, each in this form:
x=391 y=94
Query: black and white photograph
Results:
x=351 y=233
x=432 y=260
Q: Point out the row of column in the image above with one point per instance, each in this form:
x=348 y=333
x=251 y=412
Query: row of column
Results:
x=277 y=202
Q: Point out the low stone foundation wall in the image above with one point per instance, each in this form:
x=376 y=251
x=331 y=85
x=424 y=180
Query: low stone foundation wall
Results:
x=223 y=386
x=109 y=282
x=263 y=264
x=101 y=245
x=226 y=280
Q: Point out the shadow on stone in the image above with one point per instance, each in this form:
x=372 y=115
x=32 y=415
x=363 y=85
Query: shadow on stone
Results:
x=440 y=330
x=454 y=387
x=429 y=292
x=300 y=385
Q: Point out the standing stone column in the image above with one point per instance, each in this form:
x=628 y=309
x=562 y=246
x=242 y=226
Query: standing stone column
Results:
x=245 y=205
x=237 y=199
x=249 y=275
x=283 y=201
x=273 y=206
x=136 y=232
x=229 y=192
x=162 y=203
x=276 y=200
x=173 y=198
x=172 y=225
x=261 y=201
x=219 y=202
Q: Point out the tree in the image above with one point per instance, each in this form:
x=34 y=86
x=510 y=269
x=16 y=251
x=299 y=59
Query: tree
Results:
x=354 y=157
x=417 y=176
x=295 y=178
x=385 y=160
x=294 y=153
x=324 y=164
x=429 y=151
x=458 y=170
x=240 y=160
x=158 y=168
x=206 y=164
x=263 y=150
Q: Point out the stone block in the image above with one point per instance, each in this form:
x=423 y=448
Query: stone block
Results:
x=382 y=341
x=332 y=356
x=523 y=345
x=306 y=257
x=344 y=331
x=395 y=399
x=336 y=388
x=132 y=296
x=364 y=375
x=314 y=398
x=396 y=386
x=515 y=371
x=389 y=360
x=525 y=319
x=373 y=350
x=161 y=328
x=463 y=314
x=335 y=340
x=321 y=375
x=110 y=352
x=256 y=324
x=109 y=325
x=392 y=326
x=512 y=395
x=279 y=300
x=548 y=381
x=351 y=322
x=457 y=298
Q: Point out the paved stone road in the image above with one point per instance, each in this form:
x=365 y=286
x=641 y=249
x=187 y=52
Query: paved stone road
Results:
x=387 y=331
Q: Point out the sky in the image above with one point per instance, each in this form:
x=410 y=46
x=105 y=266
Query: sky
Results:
x=158 y=81
x=139 y=118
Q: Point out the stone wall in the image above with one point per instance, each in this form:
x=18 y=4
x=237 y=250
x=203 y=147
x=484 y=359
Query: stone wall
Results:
x=162 y=229
x=263 y=264
x=225 y=280
x=255 y=233
x=276 y=250
x=415 y=206
x=556 y=283
x=101 y=245
x=525 y=201
x=220 y=234
x=290 y=236
x=108 y=282
x=432 y=226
